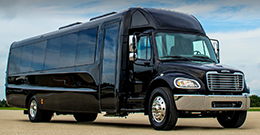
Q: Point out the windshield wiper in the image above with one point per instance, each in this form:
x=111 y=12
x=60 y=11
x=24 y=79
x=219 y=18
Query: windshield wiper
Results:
x=176 y=56
x=204 y=58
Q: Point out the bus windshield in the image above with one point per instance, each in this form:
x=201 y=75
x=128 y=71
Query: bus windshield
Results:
x=177 y=46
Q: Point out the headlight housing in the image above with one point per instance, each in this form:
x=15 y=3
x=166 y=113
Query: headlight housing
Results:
x=185 y=83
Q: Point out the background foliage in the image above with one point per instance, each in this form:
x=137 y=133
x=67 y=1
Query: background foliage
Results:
x=254 y=101
x=3 y=103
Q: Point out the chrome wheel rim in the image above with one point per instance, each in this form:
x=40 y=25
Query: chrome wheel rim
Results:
x=158 y=109
x=33 y=109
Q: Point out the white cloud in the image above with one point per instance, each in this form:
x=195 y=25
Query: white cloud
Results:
x=241 y=45
x=196 y=8
x=254 y=86
x=222 y=9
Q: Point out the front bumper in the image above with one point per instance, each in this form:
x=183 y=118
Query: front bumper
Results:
x=212 y=102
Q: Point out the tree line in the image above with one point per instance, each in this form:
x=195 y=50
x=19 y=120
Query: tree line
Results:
x=3 y=103
x=254 y=101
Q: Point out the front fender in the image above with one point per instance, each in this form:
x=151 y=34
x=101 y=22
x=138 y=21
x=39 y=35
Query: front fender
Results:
x=168 y=78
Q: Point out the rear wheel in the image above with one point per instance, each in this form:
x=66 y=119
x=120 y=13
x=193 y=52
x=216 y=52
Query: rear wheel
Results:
x=232 y=119
x=163 y=114
x=85 y=117
x=37 y=115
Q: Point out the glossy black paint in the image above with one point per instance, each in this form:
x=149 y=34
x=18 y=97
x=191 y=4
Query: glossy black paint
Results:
x=62 y=92
x=109 y=82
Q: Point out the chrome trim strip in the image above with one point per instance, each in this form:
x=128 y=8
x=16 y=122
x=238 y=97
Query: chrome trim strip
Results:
x=187 y=102
x=224 y=74
x=44 y=88
x=45 y=72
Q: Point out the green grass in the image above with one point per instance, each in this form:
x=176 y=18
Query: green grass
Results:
x=11 y=108
x=254 y=109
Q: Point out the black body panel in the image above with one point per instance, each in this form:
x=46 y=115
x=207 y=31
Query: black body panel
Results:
x=107 y=80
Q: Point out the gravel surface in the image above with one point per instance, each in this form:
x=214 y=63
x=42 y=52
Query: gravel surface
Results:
x=14 y=122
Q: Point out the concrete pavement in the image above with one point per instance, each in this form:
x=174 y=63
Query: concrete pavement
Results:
x=14 y=122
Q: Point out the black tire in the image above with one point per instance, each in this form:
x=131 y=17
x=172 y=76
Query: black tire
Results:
x=162 y=111
x=37 y=115
x=232 y=119
x=85 y=117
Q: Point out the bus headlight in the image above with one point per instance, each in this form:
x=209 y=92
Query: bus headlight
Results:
x=185 y=83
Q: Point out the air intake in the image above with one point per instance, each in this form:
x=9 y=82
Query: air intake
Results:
x=94 y=18
x=70 y=25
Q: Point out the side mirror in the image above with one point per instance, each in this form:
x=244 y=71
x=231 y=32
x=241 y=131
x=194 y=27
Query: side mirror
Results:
x=132 y=48
x=132 y=53
x=215 y=44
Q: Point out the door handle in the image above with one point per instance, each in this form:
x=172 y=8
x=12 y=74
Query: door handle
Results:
x=147 y=63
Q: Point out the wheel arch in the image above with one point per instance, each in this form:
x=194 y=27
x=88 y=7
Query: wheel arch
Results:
x=166 y=79
x=157 y=82
x=29 y=96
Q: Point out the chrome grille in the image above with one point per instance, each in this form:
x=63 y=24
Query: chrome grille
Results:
x=225 y=81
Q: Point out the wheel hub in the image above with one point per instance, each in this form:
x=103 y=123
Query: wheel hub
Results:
x=158 y=109
x=33 y=108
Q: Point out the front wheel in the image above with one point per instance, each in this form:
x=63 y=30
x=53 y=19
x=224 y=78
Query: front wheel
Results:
x=232 y=119
x=162 y=111
x=85 y=117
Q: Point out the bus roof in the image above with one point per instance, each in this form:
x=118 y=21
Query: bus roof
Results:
x=132 y=18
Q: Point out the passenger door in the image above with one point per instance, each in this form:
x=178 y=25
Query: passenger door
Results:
x=108 y=68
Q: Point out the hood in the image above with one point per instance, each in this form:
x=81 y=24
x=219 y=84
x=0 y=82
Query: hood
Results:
x=197 y=69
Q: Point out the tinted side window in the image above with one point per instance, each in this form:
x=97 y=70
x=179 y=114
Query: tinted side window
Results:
x=38 y=55
x=143 y=48
x=52 y=53
x=26 y=58
x=68 y=50
x=86 y=46
x=14 y=61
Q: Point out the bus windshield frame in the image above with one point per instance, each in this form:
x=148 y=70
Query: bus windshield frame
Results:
x=184 y=47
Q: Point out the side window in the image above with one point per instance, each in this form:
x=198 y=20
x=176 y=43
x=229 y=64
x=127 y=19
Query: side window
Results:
x=26 y=58
x=14 y=60
x=143 y=48
x=200 y=48
x=52 y=53
x=68 y=50
x=86 y=46
x=38 y=56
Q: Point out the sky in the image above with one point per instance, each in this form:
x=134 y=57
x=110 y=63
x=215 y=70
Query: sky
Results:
x=235 y=23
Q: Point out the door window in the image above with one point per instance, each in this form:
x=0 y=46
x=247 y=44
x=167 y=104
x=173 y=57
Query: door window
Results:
x=143 y=48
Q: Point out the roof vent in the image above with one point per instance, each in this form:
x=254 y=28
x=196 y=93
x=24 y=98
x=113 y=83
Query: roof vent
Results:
x=73 y=24
x=94 y=18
